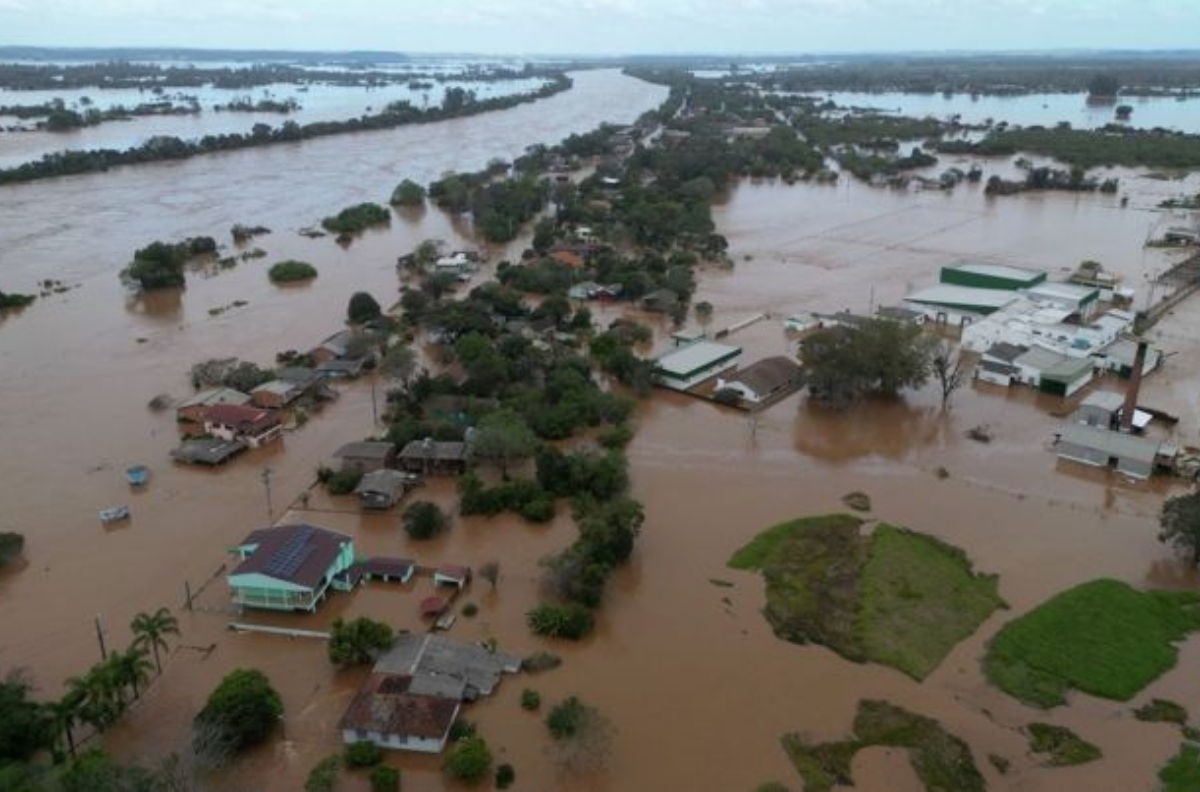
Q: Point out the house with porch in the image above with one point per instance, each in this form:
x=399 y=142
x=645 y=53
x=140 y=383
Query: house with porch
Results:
x=288 y=567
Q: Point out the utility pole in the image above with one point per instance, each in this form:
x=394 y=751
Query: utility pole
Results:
x=266 y=480
x=100 y=638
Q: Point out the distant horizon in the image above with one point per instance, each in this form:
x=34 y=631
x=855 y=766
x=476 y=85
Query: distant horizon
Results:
x=609 y=28
x=7 y=48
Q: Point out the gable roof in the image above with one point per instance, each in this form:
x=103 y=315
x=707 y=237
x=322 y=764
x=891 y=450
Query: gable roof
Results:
x=380 y=450
x=386 y=704
x=768 y=375
x=426 y=655
x=241 y=418
x=1002 y=350
x=299 y=554
x=214 y=396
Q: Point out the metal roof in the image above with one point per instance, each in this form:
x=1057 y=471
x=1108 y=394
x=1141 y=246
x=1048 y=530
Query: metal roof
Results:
x=686 y=360
x=1105 y=400
x=998 y=270
x=1112 y=443
x=951 y=295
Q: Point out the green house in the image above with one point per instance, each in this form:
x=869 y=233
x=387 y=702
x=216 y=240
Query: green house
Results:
x=288 y=567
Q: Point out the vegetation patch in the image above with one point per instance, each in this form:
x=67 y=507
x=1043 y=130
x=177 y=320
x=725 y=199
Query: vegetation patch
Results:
x=941 y=760
x=1182 y=772
x=291 y=271
x=14 y=300
x=1162 y=711
x=1064 y=746
x=1102 y=637
x=859 y=501
x=357 y=218
x=894 y=597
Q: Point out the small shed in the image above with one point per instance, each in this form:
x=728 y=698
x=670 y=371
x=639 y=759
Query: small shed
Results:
x=382 y=489
x=1102 y=408
x=1066 y=377
x=661 y=300
x=367 y=456
x=452 y=575
x=211 y=451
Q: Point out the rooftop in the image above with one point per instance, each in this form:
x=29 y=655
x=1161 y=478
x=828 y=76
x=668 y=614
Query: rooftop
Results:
x=299 y=554
x=1105 y=400
x=693 y=357
x=207 y=450
x=1113 y=443
x=424 y=654
x=434 y=449
x=280 y=387
x=965 y=296
x=1005 y=351
x=387 y=704
x=367 y=449
x=769 y=374
x=213 y=396
x=241 y=418
x=998 y=270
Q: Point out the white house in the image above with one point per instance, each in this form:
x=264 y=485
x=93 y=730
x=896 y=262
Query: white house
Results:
x=388 y=712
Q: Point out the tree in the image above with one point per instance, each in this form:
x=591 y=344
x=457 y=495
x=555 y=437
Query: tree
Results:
x=11 y=545
x=877 y=356
x=469 y=761
x=240 y=712
x=490 y=572
x=94 y=770
x=399 y=364
x=66 y=714
x=25 y=725
x=130 y=668
x=503 y=438
x=569 y=620
x=582 y=735
x=1180 y=523
x=362 y=308
x=948 y=368
x=150 y=631
x=359 y=641
x=385 y=779
x=96 y=694
x=1103 y=86
x=424 y=520
x=704 y=312
x=408 y=193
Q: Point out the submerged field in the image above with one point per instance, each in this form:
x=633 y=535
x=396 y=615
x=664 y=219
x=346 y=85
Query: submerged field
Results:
x=890 y=596
x=1102 y=637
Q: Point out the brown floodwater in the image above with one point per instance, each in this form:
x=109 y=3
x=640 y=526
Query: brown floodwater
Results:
x=687 y=671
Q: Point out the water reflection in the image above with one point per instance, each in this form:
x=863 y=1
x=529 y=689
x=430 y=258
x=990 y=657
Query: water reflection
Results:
x=888 y=428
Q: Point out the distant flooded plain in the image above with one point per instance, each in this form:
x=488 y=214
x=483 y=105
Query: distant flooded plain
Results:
x=698 y=689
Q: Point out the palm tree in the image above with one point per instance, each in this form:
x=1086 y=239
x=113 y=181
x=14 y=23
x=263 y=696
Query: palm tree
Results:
x=131 y=668
x=67 y=713
x=150 y=631
x=96 y=695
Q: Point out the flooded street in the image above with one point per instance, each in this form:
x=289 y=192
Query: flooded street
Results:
x=698 y=689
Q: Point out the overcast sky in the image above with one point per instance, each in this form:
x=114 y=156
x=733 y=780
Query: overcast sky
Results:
x=606 y=26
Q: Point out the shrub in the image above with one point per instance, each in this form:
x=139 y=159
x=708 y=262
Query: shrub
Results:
x=530 y=699
x=460 y=730
x=408 y=193
x=385 y=779
x=359 y=641
x=423 y=520
x=540 y=661
x=469 y=761
x=569 y=620
x=566 y=718
x=505 y=775
x=470 y=609
x=11 y=545
x=355 y=218
x=324 y=775
x=363 y=754
x=290 y=271
x=361 y=308
x=343 y=482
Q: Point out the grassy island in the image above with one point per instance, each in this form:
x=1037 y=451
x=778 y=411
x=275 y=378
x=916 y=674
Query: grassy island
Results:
x=1103 y=637
x=891 y=596
x=291 y=271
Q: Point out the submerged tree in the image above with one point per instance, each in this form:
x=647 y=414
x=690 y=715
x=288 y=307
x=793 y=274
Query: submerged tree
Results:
x=150 y=631
x=948 y=368
x=1180 y=522
x=877 y=356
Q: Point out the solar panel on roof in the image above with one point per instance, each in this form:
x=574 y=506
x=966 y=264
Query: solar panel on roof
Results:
x=291 y=554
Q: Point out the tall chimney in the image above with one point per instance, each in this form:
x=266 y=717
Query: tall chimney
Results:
x=1135 y=384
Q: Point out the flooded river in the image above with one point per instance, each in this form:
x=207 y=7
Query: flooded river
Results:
x=695 y=685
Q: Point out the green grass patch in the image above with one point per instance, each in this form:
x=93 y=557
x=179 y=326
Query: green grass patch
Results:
x=1102 y=637
x=1162 y=711
x=894 y=597
x=1064 y=746
x=1182 y=772
x=941 y=760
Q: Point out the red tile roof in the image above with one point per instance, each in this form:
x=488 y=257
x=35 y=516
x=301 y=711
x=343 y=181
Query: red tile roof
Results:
x=383 y=704
x=244 y=419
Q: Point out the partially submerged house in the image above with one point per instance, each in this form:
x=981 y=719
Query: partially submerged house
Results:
x=660 y=300
x=452 y=575
x=253 y=426
x=431 y=456
x=1134 y=456
x=764 y=380
x=192 y=410
x=211 y=451
x=685 y=367
x=383 y=489
x=288 y=567
x=276 y=394
x=388 y=712
x=388 y=570
x=367 y=455
x=997 y=365
x=425 y=655
x=1105 y=408
x=1052 y=372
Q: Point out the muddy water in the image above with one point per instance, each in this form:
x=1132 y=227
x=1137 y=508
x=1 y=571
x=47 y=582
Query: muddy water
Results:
x=697 y=688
